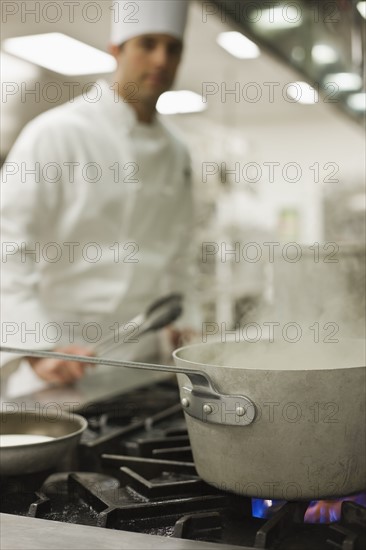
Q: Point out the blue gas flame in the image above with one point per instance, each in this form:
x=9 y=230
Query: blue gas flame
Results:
x=329 y=511
x=265 y=508
x=319 y=511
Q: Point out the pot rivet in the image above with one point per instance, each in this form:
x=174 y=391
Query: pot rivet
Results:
x=207 y=408
x=240 y=411
x=185 y=402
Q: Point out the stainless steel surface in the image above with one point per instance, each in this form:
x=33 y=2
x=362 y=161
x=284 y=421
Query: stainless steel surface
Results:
x=23 y=533
x=23 y=459
x=202 y=392
x=308 y=438
x=92 y=388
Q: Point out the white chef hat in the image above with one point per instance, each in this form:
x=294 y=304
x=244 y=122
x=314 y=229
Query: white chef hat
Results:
x=137 y=17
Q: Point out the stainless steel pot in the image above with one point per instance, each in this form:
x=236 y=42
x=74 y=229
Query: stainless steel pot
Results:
x=271 y=420
x=24 y=459
x=307 y=440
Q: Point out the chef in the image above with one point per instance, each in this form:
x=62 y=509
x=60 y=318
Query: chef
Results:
x=96 y=207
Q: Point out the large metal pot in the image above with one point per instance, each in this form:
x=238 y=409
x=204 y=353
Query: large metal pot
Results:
x=307 y=440
x=65 y=430
x=270 y=419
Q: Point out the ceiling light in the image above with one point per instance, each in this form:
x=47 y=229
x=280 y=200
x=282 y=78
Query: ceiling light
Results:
x=238 y=45
x=277 y=18
x=302 y=92
x=344 y=81
x=180 y=102
x=361 y=6
x=60 y=53
x=322 y=54
x=357 y=101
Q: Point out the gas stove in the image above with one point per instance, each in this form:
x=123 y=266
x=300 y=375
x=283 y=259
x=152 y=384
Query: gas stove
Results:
x=133 y=483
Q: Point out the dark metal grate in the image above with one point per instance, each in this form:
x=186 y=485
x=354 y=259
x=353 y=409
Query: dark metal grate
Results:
x=138 y=475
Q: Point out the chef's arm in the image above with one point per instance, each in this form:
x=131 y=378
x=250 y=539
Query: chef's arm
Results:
x=22 y=316
x=26 y=203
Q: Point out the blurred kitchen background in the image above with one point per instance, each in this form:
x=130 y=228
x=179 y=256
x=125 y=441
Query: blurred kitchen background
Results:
x=277 y=142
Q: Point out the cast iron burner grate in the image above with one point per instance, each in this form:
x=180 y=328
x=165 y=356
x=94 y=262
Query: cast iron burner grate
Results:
x=138 y=475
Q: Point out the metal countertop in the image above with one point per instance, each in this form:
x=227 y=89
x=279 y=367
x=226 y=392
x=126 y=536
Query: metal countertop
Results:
x=106 y=383
x=24 y=533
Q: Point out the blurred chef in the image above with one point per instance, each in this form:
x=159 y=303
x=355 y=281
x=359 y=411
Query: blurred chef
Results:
x=98 y=225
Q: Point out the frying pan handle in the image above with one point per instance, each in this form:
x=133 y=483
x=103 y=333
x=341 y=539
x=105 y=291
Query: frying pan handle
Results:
x=202 y=401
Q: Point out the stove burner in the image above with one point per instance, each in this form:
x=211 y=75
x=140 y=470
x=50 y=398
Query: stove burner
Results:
x=138 y=476
x=351 y=531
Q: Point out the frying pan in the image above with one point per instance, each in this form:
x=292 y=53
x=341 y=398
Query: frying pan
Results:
x=270 y=419
x=65 y=430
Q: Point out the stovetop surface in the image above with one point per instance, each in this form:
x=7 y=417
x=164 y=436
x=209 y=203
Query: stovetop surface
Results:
x=134 y=472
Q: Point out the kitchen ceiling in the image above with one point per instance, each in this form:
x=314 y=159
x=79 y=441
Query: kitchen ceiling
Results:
x=324 y=41
x=261 y=83
x=251 y=127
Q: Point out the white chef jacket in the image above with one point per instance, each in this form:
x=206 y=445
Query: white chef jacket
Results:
x=96 y=220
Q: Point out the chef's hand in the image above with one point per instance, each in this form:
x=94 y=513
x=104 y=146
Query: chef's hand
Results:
x=179 y=338
x=58 y=370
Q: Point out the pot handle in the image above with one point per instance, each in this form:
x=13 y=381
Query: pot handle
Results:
x=202 y=401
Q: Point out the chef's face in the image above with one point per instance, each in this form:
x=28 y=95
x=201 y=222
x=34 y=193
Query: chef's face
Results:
x=147 y=66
